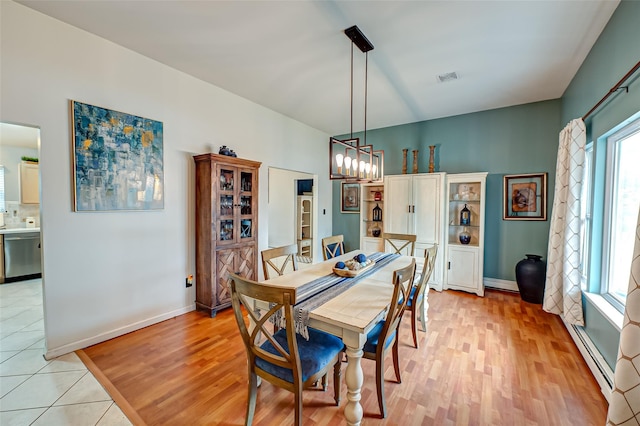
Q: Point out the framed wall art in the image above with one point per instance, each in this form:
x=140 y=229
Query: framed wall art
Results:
x=525 y=197
x=117 y=160
x=350 y=198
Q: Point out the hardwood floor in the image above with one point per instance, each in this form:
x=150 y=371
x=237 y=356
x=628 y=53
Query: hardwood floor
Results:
x=484 y=361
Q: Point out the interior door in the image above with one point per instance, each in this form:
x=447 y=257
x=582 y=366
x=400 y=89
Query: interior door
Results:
x=397 y=205
x=426 y=199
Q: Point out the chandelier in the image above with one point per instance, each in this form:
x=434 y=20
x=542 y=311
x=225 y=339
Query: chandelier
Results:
x=349 y=159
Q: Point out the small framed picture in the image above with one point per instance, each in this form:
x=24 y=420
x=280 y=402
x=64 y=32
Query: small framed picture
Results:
x=525 y=197
x=350 y=198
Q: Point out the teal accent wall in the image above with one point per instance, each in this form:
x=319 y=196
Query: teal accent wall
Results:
x=613 y=55
x=514 y=140
x=524 y=139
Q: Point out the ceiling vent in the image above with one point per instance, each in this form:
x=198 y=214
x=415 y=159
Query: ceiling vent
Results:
x=449 y=76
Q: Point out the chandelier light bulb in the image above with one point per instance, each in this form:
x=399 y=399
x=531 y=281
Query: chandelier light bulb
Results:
x=347 y=164
x=339 y=159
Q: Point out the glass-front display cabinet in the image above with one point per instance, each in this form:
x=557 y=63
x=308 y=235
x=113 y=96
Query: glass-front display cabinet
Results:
x=226 y=226
x=465 y=231
x=371 y=217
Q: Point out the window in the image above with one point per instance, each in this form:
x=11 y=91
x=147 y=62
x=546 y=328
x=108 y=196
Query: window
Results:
x=622 y=202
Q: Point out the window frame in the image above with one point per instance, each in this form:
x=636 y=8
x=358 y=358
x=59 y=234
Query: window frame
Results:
x=586 y=215
x=611 y=179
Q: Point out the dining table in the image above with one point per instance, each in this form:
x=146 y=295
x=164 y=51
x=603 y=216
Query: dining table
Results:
x=350 y=315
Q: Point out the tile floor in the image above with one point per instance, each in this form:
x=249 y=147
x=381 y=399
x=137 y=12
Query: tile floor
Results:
x=34 y=391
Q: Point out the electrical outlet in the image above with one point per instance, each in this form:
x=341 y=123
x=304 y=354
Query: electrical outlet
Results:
x=189 y=281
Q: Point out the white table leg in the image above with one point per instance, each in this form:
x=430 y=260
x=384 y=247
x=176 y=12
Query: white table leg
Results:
x=354 y=379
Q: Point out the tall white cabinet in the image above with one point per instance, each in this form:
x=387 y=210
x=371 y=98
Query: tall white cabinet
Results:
x=304 y=225
x=465 y=232
x=414 y=204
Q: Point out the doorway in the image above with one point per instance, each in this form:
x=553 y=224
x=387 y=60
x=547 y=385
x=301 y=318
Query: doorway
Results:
x=21 y=295
x=285 y=223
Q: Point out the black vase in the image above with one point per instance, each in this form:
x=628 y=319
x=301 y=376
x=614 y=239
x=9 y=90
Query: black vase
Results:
x=530 y=276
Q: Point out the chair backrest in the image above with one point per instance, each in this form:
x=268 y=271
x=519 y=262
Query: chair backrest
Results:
x=243 y=293
x=270 y=258
x=402 y=283
x=332 y=246
x=400 y=242
x=427 y=269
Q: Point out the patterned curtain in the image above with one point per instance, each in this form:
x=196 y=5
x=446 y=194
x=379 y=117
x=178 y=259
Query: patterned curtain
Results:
x=563 y=295
x=624 y=407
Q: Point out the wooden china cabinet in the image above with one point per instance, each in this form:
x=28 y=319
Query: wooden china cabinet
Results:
x=226 y=226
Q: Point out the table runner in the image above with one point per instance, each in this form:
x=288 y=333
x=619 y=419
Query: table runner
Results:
x=315 y=293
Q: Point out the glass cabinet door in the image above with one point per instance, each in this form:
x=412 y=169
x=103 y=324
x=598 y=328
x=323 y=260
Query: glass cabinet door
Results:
x=226 y=203
x=246 y=204
x=235 y=209
x=464 y=213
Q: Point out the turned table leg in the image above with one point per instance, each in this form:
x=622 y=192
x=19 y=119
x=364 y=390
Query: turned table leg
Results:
x=354 y=378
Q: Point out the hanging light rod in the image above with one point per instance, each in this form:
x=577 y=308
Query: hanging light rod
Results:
x=359 y=39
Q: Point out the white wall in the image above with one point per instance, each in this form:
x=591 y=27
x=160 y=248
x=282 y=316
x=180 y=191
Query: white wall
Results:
x=106 y=274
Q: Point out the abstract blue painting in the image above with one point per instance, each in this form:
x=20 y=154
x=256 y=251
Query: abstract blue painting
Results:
x=117 y=160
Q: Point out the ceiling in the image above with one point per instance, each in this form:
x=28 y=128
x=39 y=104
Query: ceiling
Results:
x=293 y=57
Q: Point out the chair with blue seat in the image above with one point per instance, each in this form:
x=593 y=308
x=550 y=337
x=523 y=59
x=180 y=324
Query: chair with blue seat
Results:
x=387 y=330
x=284 y=358
x=332 y=246
x=418 y=304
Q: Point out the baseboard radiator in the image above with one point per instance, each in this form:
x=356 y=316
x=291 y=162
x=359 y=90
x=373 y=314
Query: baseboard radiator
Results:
x=598 y=366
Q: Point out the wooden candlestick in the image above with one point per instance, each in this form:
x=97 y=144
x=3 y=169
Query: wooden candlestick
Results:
x=432 y=149
x=404 y=161
x=415 y=161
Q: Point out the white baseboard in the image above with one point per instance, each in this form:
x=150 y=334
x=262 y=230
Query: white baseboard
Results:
x=84 y=343
x=500 y=284
x=598 y=366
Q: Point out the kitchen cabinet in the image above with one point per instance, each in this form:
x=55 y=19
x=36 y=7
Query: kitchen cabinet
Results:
x=371 y=217
x=414 y=204
x=304 y=226
x=465 y=232
x=226 y=226
x=29 y=183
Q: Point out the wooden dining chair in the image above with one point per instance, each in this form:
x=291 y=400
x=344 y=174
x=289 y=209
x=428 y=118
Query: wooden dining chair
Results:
x=271 y=259
x=379 y=339
x=284 y=358
x=418 y=304
x=400 y=243
x=332 y=246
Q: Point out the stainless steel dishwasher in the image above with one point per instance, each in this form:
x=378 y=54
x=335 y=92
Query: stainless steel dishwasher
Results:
x=21 y=254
